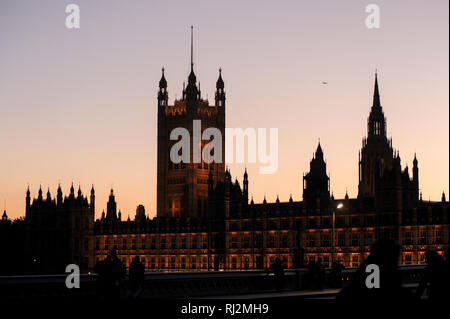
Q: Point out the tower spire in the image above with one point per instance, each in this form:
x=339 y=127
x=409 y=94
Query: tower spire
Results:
x=376 y=94
x=192 y=48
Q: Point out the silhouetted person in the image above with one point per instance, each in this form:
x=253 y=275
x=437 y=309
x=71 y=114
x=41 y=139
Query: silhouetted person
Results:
x=320 y=274
x=316 y=274
x=136 y=276
x=336 y=274
x=103 y=280
x=435 y=278
x=278 y=271
x=116 y=272
x=384 y=253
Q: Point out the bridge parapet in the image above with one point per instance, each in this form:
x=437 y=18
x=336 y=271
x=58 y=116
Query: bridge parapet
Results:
x=179 y=285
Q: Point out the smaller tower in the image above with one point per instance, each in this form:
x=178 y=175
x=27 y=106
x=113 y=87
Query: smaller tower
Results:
x=79 y=192
x=40 y=194
x=220 y=93
x=111 y=206
x=163 y=96
x=140 y=214
x=316 y=182
x=72 y=191
x=28 y=199
x=416 y=178
x=49 y=197
x=93 y=198
x=59 y=196
x=245 y=186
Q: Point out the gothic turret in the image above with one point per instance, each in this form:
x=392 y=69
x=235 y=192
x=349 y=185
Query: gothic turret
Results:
x=40 y=194
x=28 y=198
x=220 y=93
x=316 y=182
x=59 y=195
x=163 y=96
x=416 y=178
x=72 y=191
x=245 y=187
x=49 y=197
x=92 y=204
x=140 y=214
x=111 y=207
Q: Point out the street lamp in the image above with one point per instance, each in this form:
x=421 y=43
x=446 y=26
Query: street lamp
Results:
x=338 y=206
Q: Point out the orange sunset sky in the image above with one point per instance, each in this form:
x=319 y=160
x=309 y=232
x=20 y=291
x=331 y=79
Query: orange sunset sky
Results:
x=80 y=105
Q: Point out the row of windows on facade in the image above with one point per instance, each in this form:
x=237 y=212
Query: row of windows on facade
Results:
x=311 y=222
x=326 y=222
x=368 y=238
x=273 y=241
x=201 y=262
x=233 y=242
x=173 y=243
x=354 y=259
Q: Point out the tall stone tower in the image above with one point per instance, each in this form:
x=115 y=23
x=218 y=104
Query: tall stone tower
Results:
x=382 y=183
x=182 y=188
x=376 y=156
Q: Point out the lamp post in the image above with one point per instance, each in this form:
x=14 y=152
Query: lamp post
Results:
x=338 y=206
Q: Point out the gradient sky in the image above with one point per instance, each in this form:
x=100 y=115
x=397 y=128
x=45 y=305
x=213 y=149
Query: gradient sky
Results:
x=80 y=105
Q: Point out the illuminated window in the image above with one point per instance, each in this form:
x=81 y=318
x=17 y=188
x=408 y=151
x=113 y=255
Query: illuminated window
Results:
x=439 y=237
x=423 y=237
x=408 y=259
x=355 y=260
x=233 y=262
x=325 y=240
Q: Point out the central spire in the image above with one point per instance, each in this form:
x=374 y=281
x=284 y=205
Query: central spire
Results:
x=376 y=94
x=192 y=48
x=191 y=90
x=192 y=79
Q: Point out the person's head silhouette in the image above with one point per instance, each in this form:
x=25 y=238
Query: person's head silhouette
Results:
x=113 y=254
x=384 y=253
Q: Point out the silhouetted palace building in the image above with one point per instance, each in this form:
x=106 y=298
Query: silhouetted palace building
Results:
x=205 y=220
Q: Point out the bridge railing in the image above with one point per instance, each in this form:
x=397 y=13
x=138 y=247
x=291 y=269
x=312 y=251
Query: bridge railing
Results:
x=192 y=284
